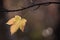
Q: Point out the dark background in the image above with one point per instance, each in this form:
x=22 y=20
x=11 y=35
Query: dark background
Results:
x=44 y=16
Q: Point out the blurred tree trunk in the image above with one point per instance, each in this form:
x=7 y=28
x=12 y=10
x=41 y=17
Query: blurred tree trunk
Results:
x=4 y=35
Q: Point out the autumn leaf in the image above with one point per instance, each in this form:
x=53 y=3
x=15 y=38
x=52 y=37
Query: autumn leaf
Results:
x=16 y=23
x=11 y=21
x=22 y=24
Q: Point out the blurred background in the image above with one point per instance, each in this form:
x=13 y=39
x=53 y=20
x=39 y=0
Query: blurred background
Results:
x=42 y=22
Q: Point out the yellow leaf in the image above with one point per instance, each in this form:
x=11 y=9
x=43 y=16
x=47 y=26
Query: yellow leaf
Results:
x=14 y=27
x=17 y=17
x=22 y=24
x=16 y=23
x=11 y=21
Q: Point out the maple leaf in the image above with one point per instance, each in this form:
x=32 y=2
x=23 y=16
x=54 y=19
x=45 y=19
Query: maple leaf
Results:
x=16 y=23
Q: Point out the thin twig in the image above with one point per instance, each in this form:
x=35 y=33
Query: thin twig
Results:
x=30 y=6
